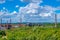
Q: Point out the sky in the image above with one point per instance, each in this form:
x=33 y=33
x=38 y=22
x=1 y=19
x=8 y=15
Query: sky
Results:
x=29 y=10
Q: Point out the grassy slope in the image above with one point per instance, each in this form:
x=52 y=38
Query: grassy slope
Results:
x=33 y=33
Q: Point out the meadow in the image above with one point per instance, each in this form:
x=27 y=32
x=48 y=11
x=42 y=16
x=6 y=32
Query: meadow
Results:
x=31 y=33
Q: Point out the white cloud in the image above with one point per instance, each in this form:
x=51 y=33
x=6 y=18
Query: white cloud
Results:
x=50 y=8
x=45 y=14
x=32 y=1
x=32 y=11
x=4 y=8
x=1 y=13
x=33 y=15
x=17 y=6
x=36 y=1
x=7 y=15
x=33 y=5
x=2 y=1
x=58 y=16
x=37 y=9
x=14 y=12
x=29 y=8
x=58 y=8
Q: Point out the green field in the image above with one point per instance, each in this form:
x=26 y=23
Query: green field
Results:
x=31 y=33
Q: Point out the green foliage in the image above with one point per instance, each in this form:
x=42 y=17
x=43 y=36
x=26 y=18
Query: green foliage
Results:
x=33 y=33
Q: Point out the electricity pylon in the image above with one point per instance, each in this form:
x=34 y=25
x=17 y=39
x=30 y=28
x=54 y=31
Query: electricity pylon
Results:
x=55 y=20
x=1 y=20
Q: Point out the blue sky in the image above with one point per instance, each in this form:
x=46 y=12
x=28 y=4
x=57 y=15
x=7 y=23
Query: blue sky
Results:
x=29 y=10
x=10 y=5
x=54 y=3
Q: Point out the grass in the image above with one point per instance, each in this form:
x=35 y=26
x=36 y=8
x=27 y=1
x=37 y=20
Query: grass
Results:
x=32 y=33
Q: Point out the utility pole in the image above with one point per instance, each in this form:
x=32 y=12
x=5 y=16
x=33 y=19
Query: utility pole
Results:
x=55 y=20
